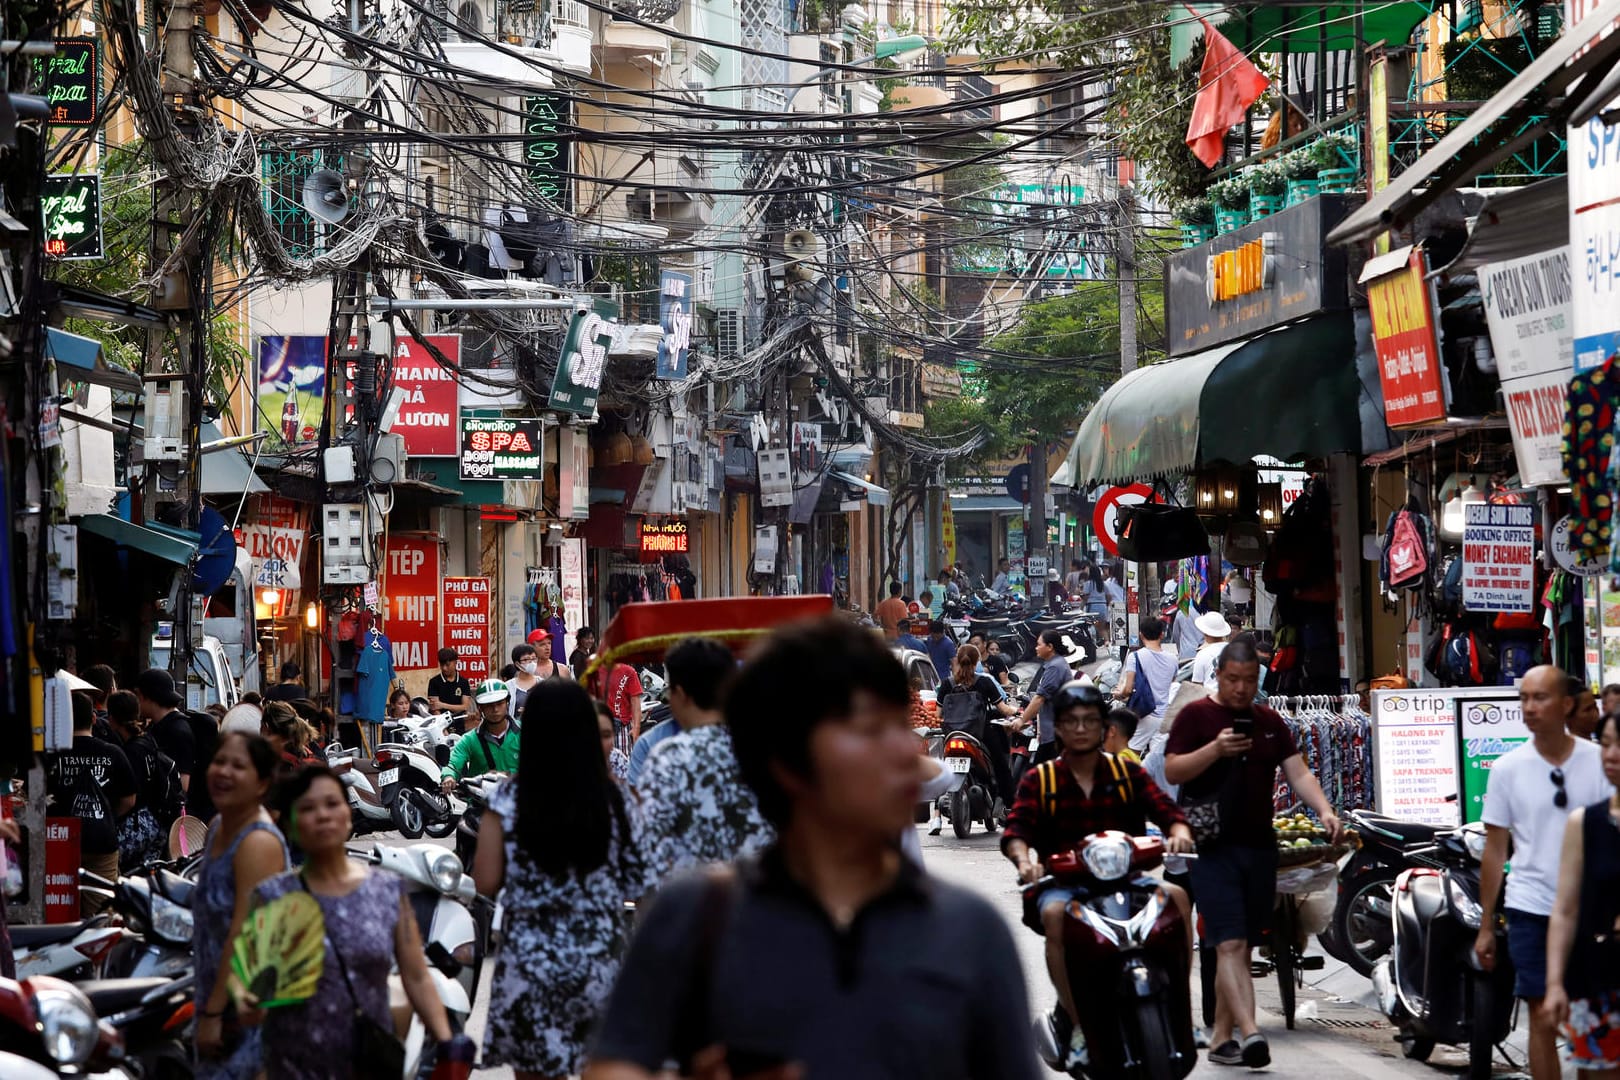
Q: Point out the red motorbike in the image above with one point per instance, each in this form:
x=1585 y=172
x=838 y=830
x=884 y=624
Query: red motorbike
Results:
x=54 y=1024
x=1126 y=950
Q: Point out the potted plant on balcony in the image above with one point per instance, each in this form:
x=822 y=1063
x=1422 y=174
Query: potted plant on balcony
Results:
x=1299 y=170
x=1335 y=155
x=1231 y=203
x=1197 y=218
x=1266 y=188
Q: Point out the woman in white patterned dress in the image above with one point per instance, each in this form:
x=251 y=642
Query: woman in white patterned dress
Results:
x=566 y=849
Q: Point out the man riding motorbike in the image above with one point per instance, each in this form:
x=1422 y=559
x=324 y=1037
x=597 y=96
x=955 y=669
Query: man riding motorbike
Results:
x=492 y=746
x=1086 y=791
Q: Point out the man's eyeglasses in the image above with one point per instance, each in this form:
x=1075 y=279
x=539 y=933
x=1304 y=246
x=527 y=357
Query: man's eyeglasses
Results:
x=1560 y=797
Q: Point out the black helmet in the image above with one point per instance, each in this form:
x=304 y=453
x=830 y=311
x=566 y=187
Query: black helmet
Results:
x=1078 y=693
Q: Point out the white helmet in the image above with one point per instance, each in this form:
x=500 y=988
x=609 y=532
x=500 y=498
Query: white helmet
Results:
x=490 y=691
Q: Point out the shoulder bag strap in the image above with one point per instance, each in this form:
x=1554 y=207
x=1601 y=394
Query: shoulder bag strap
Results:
x=1049 y=786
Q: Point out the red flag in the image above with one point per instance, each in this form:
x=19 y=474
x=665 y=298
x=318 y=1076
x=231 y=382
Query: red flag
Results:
x=1227 y=85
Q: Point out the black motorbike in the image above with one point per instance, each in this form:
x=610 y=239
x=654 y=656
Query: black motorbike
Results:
x=1431 y=985
x=476 y=791
x=1360 y=931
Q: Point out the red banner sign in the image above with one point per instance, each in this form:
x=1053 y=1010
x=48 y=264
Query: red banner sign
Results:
x=429 y=410
x=466 y=623
x=410 y=590
x=1407 y=347
x=61 y=869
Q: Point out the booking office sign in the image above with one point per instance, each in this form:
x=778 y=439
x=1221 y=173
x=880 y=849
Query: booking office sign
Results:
x=1487 y=728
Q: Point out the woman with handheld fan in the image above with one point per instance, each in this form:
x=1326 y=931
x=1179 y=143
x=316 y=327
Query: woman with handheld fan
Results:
x=242 y=849
x=340 y=1026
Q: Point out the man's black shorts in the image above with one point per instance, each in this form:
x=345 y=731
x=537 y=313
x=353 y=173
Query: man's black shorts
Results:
x=1236 y=890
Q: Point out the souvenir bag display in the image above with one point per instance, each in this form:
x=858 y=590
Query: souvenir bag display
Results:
x=1408 y=549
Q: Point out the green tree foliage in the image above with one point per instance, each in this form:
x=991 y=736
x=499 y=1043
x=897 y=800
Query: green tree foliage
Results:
x=1129 y=45
x=126 y=216
x=1042 y=375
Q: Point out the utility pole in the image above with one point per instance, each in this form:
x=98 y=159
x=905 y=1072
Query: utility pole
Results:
x=170 y=465
x=1148 y=573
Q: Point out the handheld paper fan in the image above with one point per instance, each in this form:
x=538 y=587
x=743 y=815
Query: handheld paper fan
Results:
x=278 y=956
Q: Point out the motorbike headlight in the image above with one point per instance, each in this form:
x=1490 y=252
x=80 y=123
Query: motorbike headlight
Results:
x=1466 y=907
x=67 y=1023
x=444 y=867
x=1108 y=859
x=170 y=921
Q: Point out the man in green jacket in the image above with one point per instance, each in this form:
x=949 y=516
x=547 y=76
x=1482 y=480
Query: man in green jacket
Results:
x=492 y=746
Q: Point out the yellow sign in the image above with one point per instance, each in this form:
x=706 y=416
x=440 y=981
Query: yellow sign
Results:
x=947 y=534
x=1242 y=270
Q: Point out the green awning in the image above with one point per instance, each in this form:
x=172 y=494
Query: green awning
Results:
x=1311 y=28
x=171 y=545
x=1291 y=393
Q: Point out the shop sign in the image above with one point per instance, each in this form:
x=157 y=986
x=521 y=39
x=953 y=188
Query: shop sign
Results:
x=547 y=146
x=573 y=474
x=947 y=533
x=1408 y=351
x=427 y=414
x=70 y=210
x=465 y=604
x=1527 y=309
x=675 y=317
x=572 y=559
x=1415 y=754
x=808 y=450
x=584 y=355
x=1499 y=558
x=1568 y=558
x=663 y=538
x=61 y=869
x=499 y=448
x=71 y=82
x=1594 y=227
x=410 y=589
x=1488 y=726
x=274 y=543
x=1237 y=285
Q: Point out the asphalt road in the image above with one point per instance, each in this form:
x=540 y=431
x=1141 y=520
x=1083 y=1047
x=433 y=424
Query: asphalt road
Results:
x=1340 y=1035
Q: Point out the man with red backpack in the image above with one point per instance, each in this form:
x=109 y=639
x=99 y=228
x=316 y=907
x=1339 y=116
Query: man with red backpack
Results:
x=1063 y=801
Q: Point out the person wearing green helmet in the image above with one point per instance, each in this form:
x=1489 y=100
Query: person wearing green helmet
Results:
x=492 y=746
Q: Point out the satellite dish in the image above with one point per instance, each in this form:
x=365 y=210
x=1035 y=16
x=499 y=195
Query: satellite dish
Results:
x=216 y=553
x=326 y=197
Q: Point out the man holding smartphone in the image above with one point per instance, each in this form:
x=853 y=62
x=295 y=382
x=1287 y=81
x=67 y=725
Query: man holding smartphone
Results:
x=1224 y=752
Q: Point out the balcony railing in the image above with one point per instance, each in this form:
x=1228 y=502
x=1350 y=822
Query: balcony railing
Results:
x=528 y=23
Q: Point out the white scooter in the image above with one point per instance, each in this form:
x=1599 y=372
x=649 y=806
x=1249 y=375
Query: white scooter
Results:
x=398 y=789
x=72 y=951
x=441 y=896
x=429 y=733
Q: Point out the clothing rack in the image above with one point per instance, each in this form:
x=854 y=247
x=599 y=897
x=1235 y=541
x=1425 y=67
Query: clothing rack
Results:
x=1334 y=735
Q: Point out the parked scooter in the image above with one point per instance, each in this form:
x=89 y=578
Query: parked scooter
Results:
x=1125 y=948
x=409 y=785
x=1431 y=985
x=432 y=733
x=72 y=950
x=156 y=907
x=155 y=1020
x=1361 y=928
x=52 y=1024
x=440 y=895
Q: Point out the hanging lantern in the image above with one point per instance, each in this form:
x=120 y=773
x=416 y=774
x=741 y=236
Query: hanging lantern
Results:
x=1216 y=491
x=1269 y=505
x=641 y=450
x=616 y=449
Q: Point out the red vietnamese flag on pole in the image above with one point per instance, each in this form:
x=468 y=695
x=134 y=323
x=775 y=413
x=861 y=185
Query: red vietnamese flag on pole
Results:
x=1227 y=85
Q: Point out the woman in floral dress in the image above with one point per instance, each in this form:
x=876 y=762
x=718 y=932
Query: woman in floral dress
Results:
x=1583 y=936
x=566 y=850
x=369 y=928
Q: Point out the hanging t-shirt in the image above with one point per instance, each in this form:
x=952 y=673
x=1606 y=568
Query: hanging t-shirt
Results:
x=86 y=782
x=374 y=674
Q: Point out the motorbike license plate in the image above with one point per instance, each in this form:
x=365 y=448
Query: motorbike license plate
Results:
x=388 y=776
x=959 y=764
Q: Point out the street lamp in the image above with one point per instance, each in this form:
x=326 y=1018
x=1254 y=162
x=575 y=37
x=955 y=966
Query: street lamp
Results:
x=899 y=49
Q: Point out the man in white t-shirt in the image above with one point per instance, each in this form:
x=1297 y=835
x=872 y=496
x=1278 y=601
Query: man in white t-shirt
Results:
x=1528 y=800
x=1217 y=632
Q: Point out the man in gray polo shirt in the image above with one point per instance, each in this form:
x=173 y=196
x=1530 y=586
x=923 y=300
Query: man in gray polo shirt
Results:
x=829 y=952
